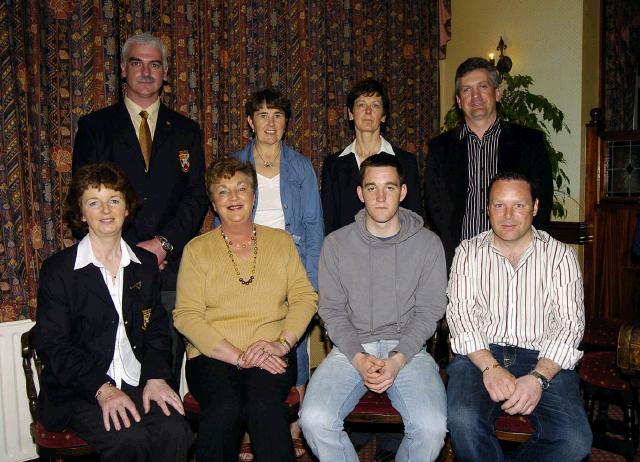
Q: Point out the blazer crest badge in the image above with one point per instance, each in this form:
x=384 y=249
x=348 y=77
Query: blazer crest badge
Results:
x=184 y=160
x=146 y=315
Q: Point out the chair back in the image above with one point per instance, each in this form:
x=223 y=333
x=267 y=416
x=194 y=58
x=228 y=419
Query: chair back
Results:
x=29 y=359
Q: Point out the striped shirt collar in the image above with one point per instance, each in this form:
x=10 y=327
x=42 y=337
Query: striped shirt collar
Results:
x=486 y=238
x=493 y=128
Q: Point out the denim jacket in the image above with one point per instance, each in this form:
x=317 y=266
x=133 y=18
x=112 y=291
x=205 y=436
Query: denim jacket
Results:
x=300 y=203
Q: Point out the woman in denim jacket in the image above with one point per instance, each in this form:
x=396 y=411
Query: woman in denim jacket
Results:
x=287 y=197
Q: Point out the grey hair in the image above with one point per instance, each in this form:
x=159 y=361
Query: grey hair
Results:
x=143 y=39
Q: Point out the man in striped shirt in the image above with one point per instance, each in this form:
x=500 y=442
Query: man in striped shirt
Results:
x=516 y=316
x=462 y=161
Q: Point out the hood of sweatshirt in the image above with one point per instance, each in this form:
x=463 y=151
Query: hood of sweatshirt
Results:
x=410 y=224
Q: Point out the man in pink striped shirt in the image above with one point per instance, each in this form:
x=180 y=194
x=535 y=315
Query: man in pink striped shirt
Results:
x=516 y=314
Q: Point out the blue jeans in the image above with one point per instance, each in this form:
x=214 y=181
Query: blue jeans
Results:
x=302 y=356
x=336 y=387
x=561 y=429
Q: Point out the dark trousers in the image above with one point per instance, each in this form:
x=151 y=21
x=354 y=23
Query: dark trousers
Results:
x=231 y=399
x=156 y=438
x=561 y=430
x=177 y=342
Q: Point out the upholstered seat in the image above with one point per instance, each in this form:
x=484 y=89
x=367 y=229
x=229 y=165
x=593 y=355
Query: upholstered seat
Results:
x=513 y=427
x=601 y=334
x=599 y=369
x=374 y=408
x=56 y=440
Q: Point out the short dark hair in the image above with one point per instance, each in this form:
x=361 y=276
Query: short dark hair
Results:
x=382 y=159
x=369 y=87
x=515 y=176
x=101 y=174
x=272 y=98
x=226 y=167
x=471 y=64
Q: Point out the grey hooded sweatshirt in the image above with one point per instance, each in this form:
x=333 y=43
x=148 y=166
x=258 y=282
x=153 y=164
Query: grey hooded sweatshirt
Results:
x=382 y=289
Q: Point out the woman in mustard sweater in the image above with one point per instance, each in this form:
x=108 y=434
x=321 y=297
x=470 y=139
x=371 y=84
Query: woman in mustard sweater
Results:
x=243 y=301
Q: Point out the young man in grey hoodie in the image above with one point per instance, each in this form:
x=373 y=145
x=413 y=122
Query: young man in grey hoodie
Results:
x=382 y=285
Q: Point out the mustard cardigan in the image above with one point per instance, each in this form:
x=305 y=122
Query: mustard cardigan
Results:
x=212 y=305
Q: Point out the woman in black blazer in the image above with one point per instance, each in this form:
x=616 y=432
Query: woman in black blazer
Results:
x=103 y=334
x=368 y=109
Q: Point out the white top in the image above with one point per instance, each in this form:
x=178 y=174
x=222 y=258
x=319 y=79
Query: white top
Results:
x=134 y=114
x=385 y=146
x=124 y=365
x=538 y=305
x=269 y=210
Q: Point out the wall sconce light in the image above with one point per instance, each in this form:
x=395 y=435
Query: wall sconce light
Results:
x=504 y=62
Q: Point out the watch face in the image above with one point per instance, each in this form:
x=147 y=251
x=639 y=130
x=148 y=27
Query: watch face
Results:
x=165 y=244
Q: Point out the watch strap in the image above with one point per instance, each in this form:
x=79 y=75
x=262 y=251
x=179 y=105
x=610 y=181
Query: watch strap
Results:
x=542 y=380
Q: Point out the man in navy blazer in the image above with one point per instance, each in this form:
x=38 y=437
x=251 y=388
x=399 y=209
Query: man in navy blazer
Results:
x=169 y=180
x=462 y=161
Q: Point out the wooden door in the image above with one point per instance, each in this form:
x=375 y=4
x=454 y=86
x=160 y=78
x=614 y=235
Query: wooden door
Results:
x=612 y=205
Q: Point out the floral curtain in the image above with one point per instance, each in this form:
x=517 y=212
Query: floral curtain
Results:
x=59 y=59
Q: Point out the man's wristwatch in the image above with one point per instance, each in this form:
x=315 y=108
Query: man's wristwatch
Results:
x=542 y=380
x=166 y=245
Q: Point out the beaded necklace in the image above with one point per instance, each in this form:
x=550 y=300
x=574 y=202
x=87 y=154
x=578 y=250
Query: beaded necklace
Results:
x=228 y=243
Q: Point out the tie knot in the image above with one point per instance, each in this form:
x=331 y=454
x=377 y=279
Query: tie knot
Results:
x=144 y=114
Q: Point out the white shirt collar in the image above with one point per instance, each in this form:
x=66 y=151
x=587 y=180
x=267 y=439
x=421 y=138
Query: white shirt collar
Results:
x=385 y=146
x=85 y=255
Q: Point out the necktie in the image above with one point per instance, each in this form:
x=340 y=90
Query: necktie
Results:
x=145 y=139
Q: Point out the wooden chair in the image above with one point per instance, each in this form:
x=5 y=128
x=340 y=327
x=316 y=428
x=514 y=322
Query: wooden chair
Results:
x=53 y=445
x=604 y=384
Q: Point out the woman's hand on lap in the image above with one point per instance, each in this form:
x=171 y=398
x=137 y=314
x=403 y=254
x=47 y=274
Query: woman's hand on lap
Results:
x=115 y=404
x=266 y=355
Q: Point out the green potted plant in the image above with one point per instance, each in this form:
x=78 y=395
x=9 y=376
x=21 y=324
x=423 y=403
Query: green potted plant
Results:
x=520 y=106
